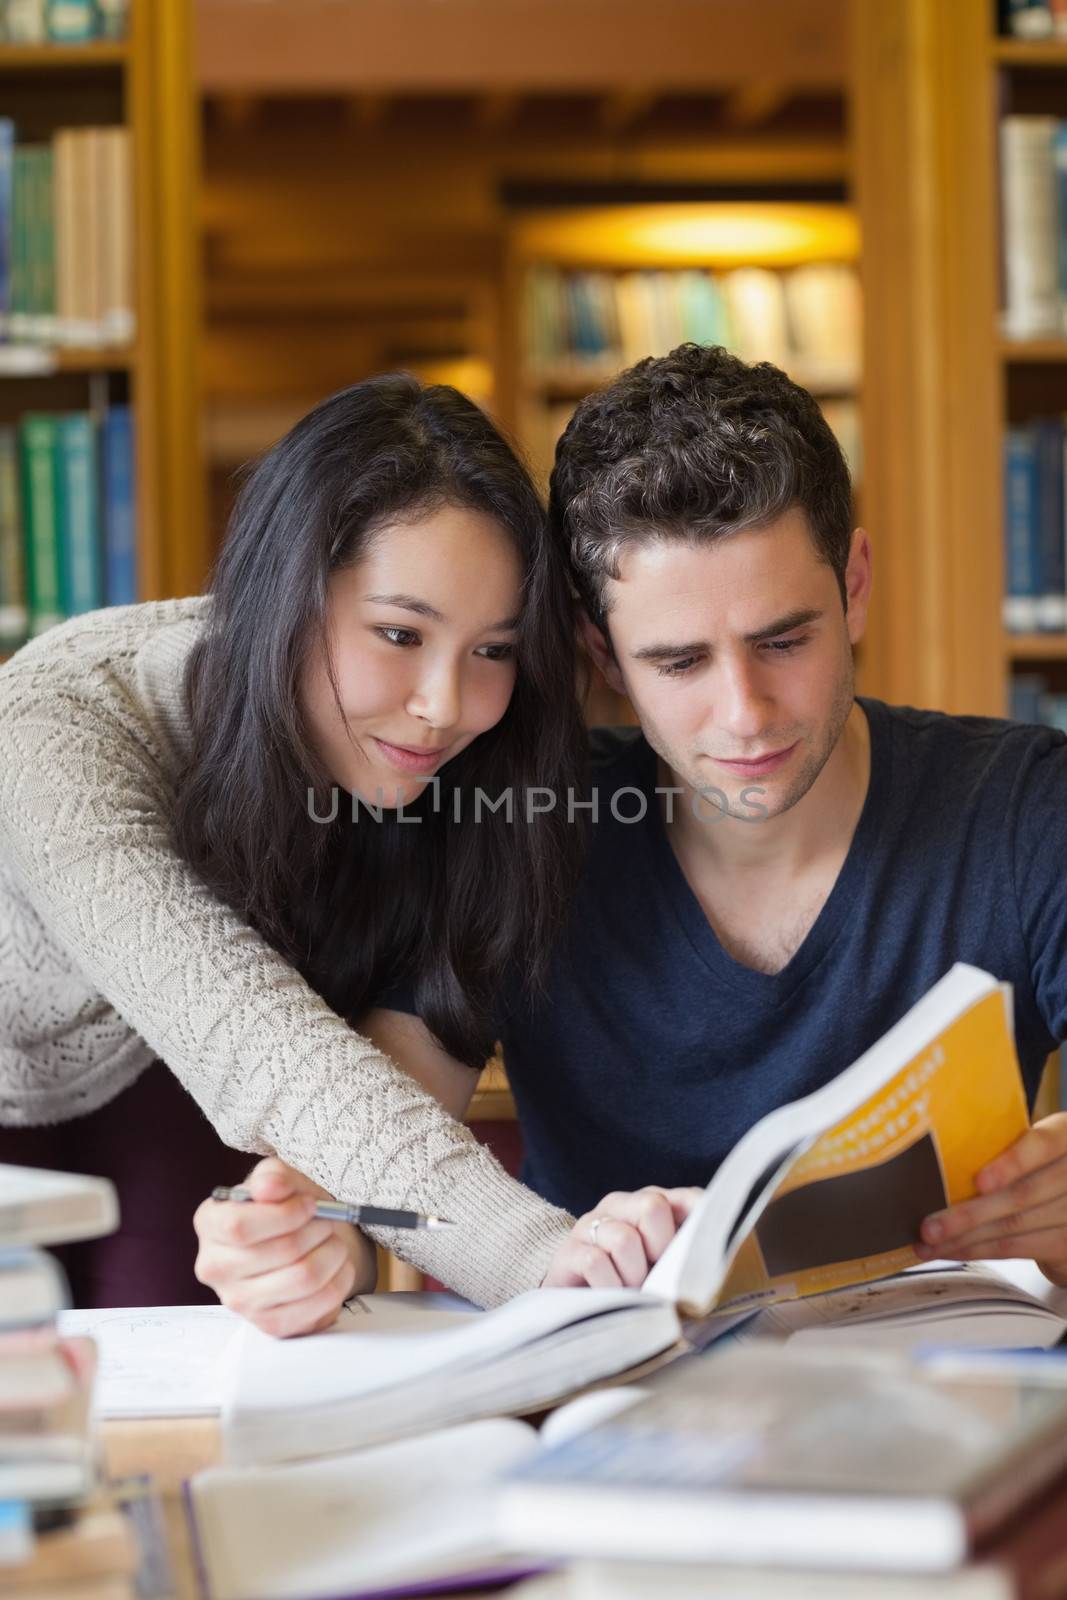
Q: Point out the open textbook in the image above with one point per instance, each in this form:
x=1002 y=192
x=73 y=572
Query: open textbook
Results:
x=831 y=1190
x=826 y=1192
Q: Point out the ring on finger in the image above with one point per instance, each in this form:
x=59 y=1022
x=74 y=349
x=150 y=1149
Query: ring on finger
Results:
x=593 y=1226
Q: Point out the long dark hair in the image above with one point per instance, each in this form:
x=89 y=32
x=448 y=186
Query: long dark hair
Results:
x=446 y=907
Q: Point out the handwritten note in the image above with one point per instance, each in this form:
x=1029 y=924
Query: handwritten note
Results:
x=158 y=1361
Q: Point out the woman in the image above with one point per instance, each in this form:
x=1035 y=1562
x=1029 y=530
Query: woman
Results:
x=181 y=884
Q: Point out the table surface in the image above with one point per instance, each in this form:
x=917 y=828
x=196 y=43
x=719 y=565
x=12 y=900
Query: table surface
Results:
x=171 y=1450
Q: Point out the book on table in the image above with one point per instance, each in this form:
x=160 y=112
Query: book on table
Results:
x=824 y=1193
x=834 y=1459
x=42 y=1207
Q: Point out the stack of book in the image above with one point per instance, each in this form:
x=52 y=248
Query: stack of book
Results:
x=66 y=238
x=67 y=519
x=54 y=1524
x=62 y=21
x=1035 y=527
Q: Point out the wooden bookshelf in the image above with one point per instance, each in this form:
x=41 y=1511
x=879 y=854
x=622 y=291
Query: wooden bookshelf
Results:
x=145 y=84
x=941 y=380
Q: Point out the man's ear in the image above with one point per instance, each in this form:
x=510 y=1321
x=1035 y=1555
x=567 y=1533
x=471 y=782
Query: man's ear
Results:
x=599 y=648
x=858 y=585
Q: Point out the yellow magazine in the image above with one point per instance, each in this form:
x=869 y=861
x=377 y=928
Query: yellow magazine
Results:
x=830 y=1190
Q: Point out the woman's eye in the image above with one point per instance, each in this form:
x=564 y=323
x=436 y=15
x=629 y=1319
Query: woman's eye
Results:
x=497 y=652
x=404 y=638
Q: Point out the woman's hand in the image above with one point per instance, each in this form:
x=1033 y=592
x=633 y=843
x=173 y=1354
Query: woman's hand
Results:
x=617 y=1243
x=275 y=1262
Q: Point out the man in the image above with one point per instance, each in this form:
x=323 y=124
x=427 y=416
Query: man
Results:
x=777 y=871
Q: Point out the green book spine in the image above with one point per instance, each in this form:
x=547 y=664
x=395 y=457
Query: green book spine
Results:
x=46 y=243
x=82 y=563
x=41 y=512
x=14 y=617
x=19 y=264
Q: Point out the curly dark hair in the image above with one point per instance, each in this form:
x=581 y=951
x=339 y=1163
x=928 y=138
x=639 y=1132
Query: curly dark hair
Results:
x=694 y=445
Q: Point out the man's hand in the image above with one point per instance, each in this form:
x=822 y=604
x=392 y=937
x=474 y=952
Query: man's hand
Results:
x=1020 y=1209
x=275 y=1262
x=616 y=1243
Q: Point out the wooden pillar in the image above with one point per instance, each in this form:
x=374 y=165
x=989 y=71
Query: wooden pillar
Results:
x=164 y=113
x=924 y=170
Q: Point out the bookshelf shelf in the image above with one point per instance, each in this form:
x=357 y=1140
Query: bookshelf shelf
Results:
x=33 y=361
x=1035 y=647
x=112 y=358
x=16 y=58
x=1022 y=351
x=1042 y=55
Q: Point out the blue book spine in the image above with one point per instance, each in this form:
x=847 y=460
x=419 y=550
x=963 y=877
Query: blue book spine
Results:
x=16 y=1533
x=120 y=517
x=1021 y=532
x=1052 y=594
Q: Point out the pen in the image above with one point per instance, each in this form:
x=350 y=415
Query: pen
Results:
x=335 y=1211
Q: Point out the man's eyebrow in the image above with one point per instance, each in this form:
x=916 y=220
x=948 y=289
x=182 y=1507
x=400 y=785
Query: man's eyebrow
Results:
x=423 y=608
x=791 y=620
x=678 y=652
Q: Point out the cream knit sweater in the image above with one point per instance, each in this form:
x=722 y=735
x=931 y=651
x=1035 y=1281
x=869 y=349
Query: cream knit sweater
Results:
x=113 y=953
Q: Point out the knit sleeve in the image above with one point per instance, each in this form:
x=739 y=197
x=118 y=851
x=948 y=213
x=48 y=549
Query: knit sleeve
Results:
x=84 y=824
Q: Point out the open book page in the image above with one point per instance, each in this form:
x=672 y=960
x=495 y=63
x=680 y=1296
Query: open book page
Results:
x=953 y=1305
x=899 y=1134
x=403 y=1513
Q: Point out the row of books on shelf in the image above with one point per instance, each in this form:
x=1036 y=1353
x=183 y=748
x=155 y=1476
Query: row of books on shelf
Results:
x=1035 y=527
x=62 y=21
x=66 y=237
x=67 y=519
x=1034 y=19
x=61 y=1533
x=805 y=319
x=1033 y=169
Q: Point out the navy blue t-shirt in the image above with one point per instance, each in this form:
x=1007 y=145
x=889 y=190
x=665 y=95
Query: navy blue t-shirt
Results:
x=654 y=1051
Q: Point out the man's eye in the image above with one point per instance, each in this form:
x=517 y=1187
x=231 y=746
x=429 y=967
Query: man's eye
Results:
x=677 y=669
x=783 y=647
x=404 y=638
